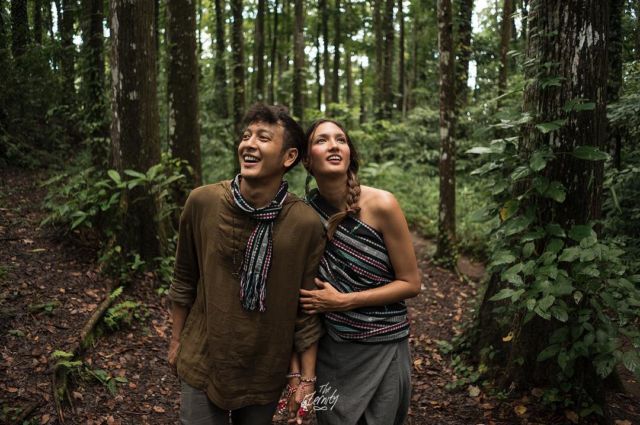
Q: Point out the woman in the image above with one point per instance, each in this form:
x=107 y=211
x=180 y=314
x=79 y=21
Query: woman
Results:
x=369 y=268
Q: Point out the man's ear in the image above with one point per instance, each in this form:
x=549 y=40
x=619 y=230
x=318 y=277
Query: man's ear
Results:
x=290 y=157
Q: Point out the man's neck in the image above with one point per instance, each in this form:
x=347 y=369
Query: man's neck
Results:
x=259 y=193
x=333 y=190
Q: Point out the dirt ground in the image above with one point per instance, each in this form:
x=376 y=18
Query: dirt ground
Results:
x=49 y=286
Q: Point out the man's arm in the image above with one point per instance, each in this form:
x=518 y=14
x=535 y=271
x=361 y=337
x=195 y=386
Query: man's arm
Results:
x=179 y=315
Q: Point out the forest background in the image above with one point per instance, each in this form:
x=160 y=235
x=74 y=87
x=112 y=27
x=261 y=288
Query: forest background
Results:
x=508 y=130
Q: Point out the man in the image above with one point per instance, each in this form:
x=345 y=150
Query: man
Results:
x=245 y=248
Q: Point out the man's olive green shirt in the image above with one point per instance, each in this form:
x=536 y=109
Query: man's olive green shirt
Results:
x=241 y=357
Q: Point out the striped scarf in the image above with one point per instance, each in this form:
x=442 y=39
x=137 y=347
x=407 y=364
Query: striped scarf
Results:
x=257 y=255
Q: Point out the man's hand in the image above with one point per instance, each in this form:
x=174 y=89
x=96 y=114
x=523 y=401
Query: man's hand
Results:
x=301 y=405
x=174 y=347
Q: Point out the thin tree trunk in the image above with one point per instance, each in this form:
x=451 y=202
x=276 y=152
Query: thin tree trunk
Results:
x=324 y=12
x=348 y=74
x=182 y=87
x=94 y=84
x=134 y=128
x=237 y=47
x=636 y=5
x=379 y=64
x=318 y=65
x=37 y=21
x=337 y=42
x=363 y=100
x=298 y=61
x=463 y=52
x=274 y=50
x=447 y=207
x=220 y=85
x=402 y=83
x=69 y=8
x=20 y=37
x=614 y=84
x=259 y=40
x=505 y=39
x=49 y=18
x=387 y=74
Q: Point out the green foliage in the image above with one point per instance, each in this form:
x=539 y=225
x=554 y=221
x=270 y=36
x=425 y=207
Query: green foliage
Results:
x=569 y=275
x=87 y=199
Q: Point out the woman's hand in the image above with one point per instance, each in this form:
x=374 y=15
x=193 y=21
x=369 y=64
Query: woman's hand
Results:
x=301 y=405
x=325 y=298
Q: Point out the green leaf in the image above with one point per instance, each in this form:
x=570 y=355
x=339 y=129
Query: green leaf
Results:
x=546 y=302
x=134 y=173
x=527 y=250
x=631 y=361
x=589 y=153
x=114 y=176
x=554 y=229
x=580 y=231
x=538 y=161
x=502 y=257
x=516 y=225
x=547 y=127
x=556 y=191
x=559 y=313
x=510 y=207
x=570 y=254
x=535 y=234
x=541 y=184
x=548 y=352
x=520 y=173
x=531 y=304
x=503 y=294
x=554 y=246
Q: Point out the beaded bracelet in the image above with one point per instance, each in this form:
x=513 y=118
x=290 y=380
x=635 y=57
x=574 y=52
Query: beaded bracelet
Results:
x=293 y=375
x=308 y=380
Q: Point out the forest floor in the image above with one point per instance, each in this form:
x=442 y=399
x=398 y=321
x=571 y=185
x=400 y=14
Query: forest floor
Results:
x=49 y=287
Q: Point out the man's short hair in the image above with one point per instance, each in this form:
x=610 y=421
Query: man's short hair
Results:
x=277 y=114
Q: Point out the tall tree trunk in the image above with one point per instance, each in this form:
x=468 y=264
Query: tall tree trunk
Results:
x=156 y=32
x=274 y=50
x=414 y=66
x=49 y=18
x=298 y=61
x=524 y=13
x=37 y=21
x=69 y=8
x=182 y=87
x=259 y=40
x=237 y=47
x=324 y=13
x=134 y=128
x=348 y=74
x=402 y=79
x=379 y=63
x=363 y=100
x=220 y=85
x=572 y=35
x=505 y=39
x=463 y=52
x=636 y=6
x=20 y=37
x=318 y=65
x=447 y=208
x=337 y=42
x=387 y=73
x=93 y=52
x=614 y=84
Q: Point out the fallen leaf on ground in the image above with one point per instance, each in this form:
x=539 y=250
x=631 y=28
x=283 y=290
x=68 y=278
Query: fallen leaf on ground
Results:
x=474 y=391
x=622 y=422
x=520 y=410
x=572 y=416
x=508 y=338
x=158 y=409
x=45 y=419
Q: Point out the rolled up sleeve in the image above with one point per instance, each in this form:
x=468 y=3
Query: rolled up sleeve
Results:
x=309 y=327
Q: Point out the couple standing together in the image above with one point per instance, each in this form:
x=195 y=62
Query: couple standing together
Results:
x=272 y=292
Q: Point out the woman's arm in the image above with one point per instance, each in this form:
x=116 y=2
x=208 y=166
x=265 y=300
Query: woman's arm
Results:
x=382 y=212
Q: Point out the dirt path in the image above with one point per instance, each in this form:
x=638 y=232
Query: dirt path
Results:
x=49 y=287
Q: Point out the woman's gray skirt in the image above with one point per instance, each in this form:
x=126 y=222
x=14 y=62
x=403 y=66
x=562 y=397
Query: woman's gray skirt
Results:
x=362 y=384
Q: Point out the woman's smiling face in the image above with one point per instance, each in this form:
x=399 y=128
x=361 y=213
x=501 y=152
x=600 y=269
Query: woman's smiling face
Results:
x=329 y=151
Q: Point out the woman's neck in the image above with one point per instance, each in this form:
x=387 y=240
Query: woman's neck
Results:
x=333 y=190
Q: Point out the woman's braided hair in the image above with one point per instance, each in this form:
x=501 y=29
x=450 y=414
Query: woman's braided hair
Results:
x=353 y=185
